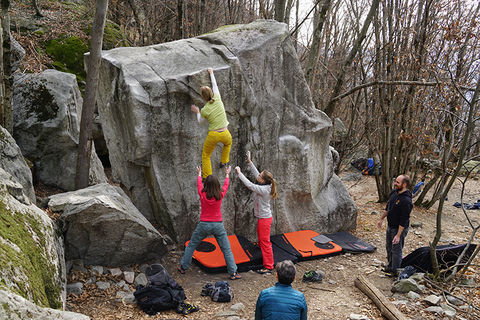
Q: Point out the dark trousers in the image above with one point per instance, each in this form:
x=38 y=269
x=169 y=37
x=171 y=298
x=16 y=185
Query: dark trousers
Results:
x=394 y=251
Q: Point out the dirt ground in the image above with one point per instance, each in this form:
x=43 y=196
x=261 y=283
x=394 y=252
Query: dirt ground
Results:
x=336 y=297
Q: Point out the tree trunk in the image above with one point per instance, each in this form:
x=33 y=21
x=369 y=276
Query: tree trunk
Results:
x=88 y=108
x=312 y=59
x=6 y=114
x=180 y=26
x=356 y=47
x=280 y=10
x=38 y=13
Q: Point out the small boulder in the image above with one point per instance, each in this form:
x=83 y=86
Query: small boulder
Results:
x=103 y=227
x=354 y=316
x=455 y=301
x=141 y=280
x=47 y=109
x=103 y=285
x=413 y=295
x=97 y=269
x=75 y=288
x=115 y=272
x=418 y=276
x=416 y=225
x=126 y=297
x=432 y=300
x=449 y=311
x=129 y=276
x=435 y=309
x=237 y=307
x=406 y=285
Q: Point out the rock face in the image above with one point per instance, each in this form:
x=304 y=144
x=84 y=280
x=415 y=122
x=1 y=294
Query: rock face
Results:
x=47 y=109
x=14 y=307
x=155 y=142
x=103 y=227
x=12 y=161
x=32 y=263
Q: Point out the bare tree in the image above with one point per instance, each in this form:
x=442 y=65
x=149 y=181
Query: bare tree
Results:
x=320 y=16
x=36 y=7
x=6 y=114
x=353 y=52
x=88 y=108
x=280 y=6
x=465 y=143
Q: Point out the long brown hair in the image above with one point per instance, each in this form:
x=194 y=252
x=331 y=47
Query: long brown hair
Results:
x=268 y=177
x=207 y=94
x=211 y=187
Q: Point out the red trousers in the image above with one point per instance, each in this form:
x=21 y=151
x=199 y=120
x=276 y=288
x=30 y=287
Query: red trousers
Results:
x=263 y=234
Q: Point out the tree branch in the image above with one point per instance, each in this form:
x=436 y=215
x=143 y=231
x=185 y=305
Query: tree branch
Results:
x=396 y=83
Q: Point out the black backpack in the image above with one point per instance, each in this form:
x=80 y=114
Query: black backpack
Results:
x=162 y=292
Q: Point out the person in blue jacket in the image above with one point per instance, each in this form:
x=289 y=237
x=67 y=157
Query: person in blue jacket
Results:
x=282 y=302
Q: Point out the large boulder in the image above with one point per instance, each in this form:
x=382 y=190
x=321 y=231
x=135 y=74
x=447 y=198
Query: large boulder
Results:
x=47 y=109
x=103 y=227
x=155 y=142
x=32 y=261
x=12 y=161
x=15 y=307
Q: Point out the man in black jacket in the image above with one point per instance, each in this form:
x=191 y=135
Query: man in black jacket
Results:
x=397 y=212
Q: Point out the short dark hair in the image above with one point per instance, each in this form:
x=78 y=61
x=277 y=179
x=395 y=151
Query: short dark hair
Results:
x=286 y=272
x=406 y=180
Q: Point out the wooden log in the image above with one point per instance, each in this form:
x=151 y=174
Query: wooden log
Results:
x=387 y=308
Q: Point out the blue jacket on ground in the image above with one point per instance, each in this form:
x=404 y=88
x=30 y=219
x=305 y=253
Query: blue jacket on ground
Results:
x=281 y=302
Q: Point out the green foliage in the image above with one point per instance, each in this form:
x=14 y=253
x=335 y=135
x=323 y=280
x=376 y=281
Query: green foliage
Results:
x=113 y=36
x=67 y=53
x=27 y=234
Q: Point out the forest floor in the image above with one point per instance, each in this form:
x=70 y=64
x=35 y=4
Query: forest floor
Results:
x=336 y=297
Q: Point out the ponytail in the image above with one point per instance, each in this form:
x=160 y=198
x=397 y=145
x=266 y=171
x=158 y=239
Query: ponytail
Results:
x=207 y=94
x=268 y=177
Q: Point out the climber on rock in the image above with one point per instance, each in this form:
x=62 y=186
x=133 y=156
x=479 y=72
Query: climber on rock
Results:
x=214 y=112
x=264 y=191
x=211 y=222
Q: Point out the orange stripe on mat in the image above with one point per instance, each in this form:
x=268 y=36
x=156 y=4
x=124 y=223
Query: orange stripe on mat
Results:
x=303 y=243
x=215 y=259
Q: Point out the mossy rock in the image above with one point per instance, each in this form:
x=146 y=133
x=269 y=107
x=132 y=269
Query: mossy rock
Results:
x=113 y=37
x=24 y=265
x=67 y=53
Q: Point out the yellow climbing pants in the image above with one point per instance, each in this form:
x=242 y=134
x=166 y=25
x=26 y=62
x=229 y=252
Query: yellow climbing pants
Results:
x=211 y=141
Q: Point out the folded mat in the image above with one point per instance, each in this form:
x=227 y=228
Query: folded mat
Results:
x=350 y=243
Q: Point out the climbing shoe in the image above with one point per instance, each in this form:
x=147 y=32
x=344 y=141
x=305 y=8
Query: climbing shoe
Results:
x=223 y=165
x=312 y=276
x=186 y=308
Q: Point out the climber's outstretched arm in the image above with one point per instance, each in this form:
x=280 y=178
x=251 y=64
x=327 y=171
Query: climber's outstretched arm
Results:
x=214 y=82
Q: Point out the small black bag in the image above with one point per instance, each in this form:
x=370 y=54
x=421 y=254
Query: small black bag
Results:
x=219 y=292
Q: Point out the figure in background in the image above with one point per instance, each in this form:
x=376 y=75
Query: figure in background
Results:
x=263 y=191
x=282 y=302
x=211 y=222
x=397 y=212
x=214 y=112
